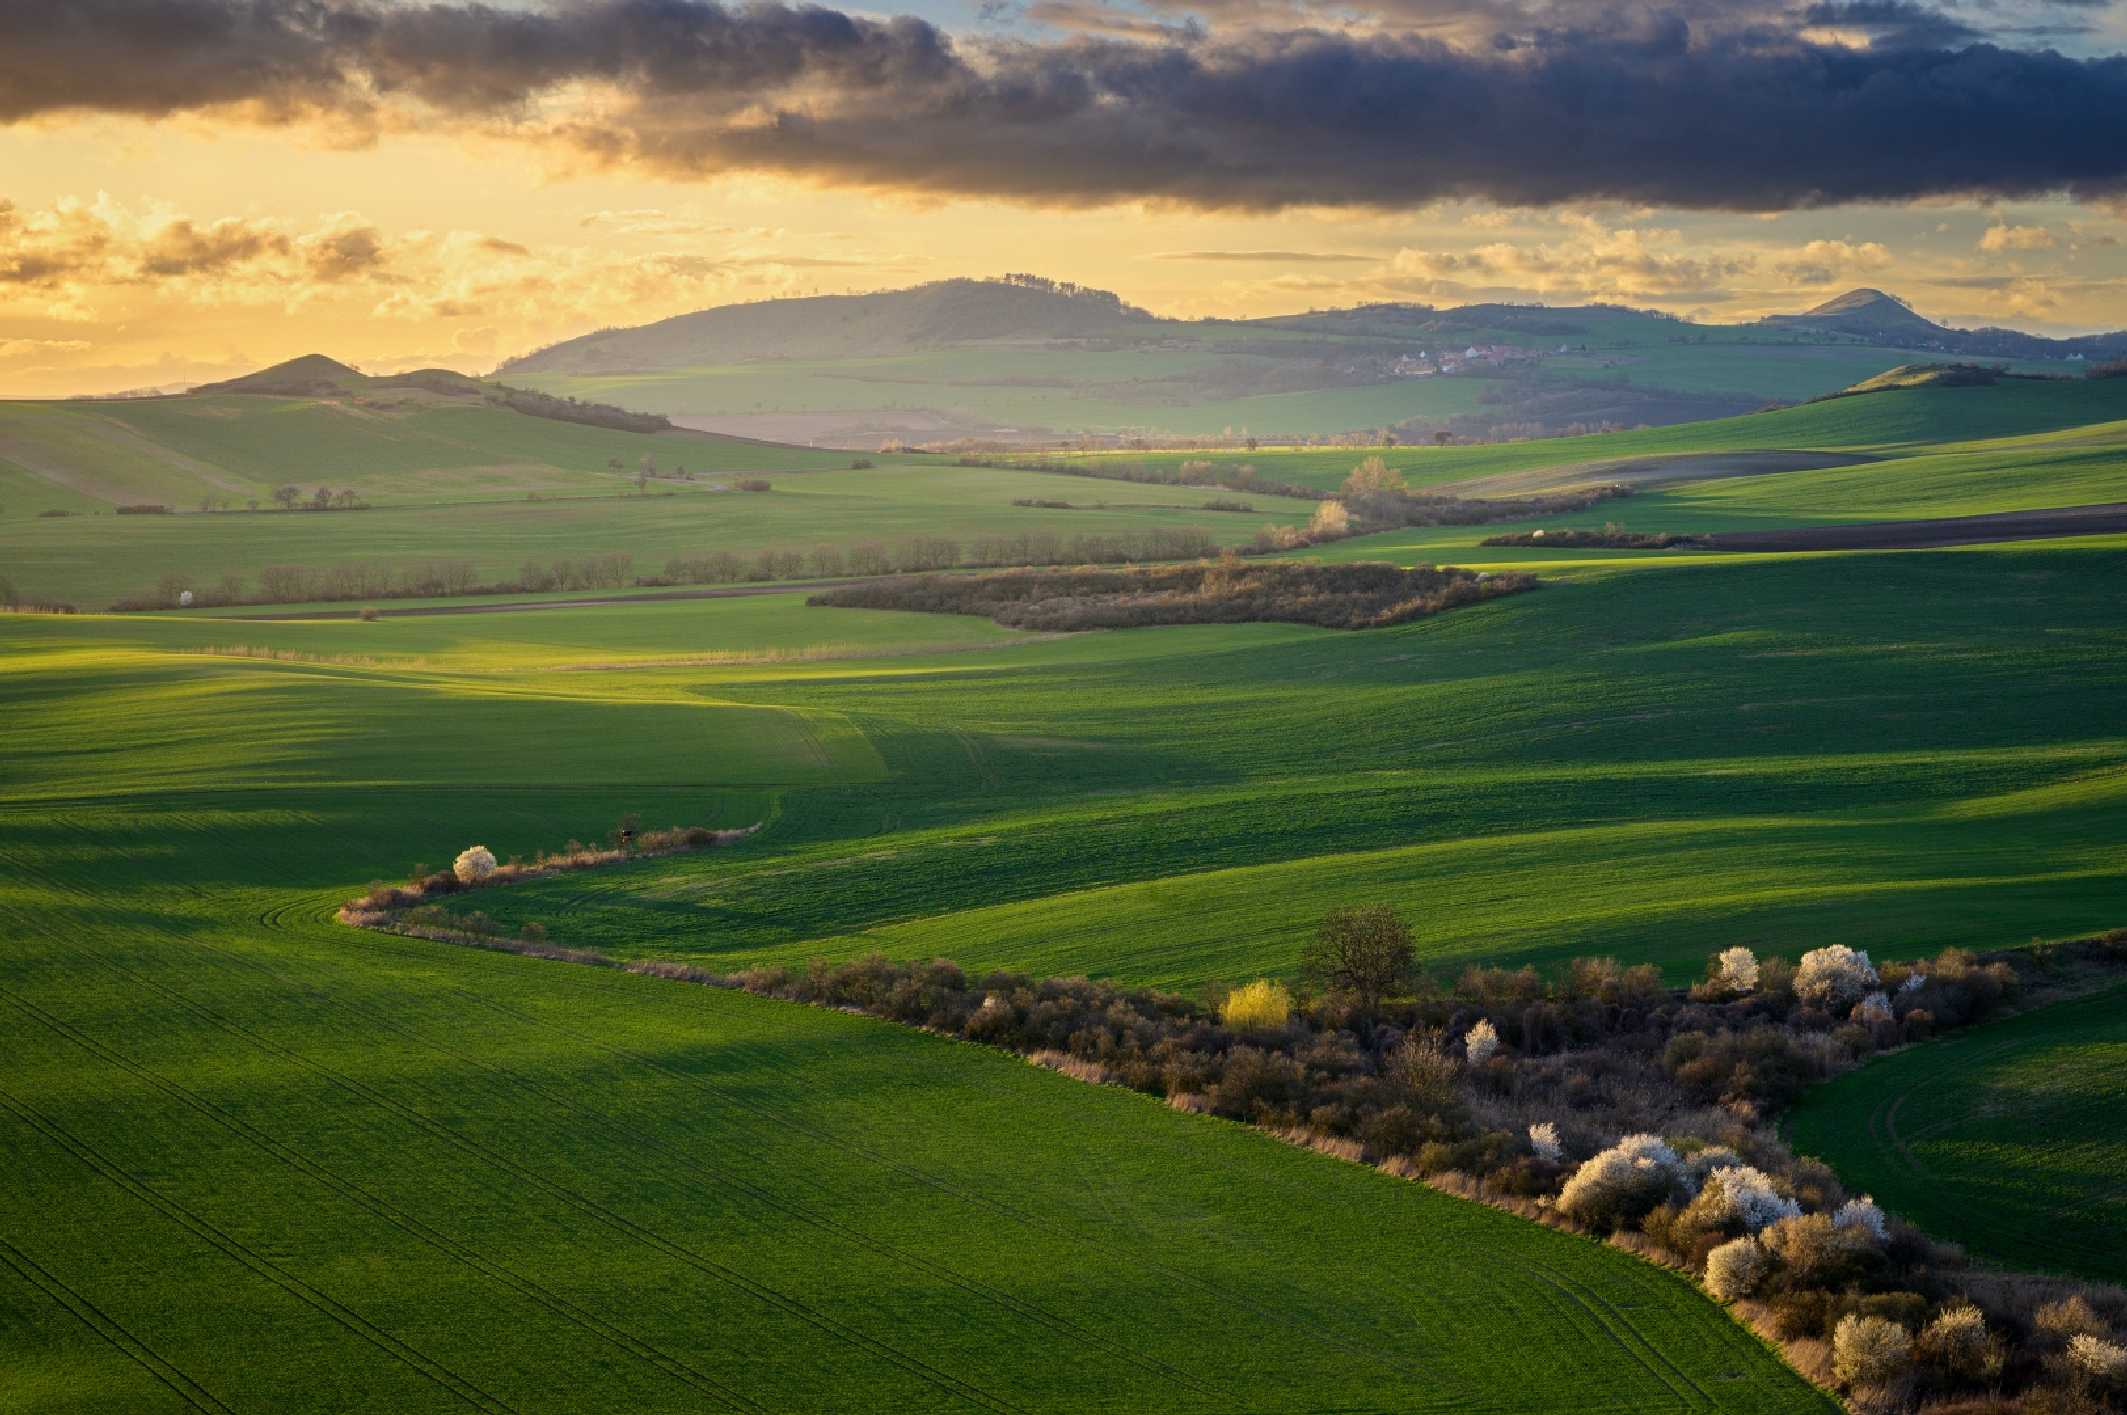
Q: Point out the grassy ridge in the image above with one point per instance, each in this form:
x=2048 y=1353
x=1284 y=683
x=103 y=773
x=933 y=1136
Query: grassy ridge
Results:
x=2010 y=1140
x=413 y=447
x=416 y=1177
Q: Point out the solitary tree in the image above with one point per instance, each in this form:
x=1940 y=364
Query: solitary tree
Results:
x=1443 y=437
x=1365 y=953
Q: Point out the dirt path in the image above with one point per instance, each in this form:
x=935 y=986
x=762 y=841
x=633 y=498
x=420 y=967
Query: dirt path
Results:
x=1944 y=530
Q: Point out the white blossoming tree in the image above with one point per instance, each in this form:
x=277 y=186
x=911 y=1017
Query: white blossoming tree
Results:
x=2101 y=1359
x=1870 y=1351
x=1834 y=977
x=1740 y=1194
x=1736 y=1268
x=1862 y=1214
x=1481 y=1042
x=474 y=864
x=1736 y=969
x=1623 y=1181
x=1543 y=1139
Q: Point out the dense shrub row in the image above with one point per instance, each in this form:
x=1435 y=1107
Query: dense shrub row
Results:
x=1356 y=596
x=1597 y=1100
x=376 y=579
x=385 y=905
x=923 y=553
x=1611 y=537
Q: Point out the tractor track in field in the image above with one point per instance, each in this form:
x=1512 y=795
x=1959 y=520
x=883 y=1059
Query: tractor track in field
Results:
x=792 y=1307
x=642 y=1141
x=973 y=1198
x=113 y=1332
x=259 y=1265
x=650 y=1144
x=384 y=1210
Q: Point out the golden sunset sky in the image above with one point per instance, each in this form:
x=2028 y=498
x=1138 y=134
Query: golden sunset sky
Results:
x=416 y=201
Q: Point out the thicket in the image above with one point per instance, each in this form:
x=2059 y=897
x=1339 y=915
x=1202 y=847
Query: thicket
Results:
x=143 y=508
x=1355 y=596
x=385 y=905
x=1597 y=1100
x=377 y=579
x=1611 y=537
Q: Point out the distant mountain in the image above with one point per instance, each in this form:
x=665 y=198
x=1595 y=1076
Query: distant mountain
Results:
x=1873 y=317
x=1021 y=308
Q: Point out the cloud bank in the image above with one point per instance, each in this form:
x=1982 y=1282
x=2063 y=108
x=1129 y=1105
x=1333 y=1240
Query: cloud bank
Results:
x=1729 y=116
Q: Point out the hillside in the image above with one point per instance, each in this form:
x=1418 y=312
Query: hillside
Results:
x=1022 y=361
x=1876 y=318
x=849 y=326
x=427 y=437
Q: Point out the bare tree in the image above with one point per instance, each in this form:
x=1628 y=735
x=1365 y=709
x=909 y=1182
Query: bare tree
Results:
x=1365 y=953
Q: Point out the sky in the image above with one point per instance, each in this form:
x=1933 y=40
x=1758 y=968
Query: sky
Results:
x=195 y=188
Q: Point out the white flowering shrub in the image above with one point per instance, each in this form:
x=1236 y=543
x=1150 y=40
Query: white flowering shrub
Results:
x=1701 y=1163
x=1870 y=1351
x=1876 y=1007
x=473 y=864
x=1834 y=977
x=1623 y=1181
x=2099 y=1358
x=1735 y=1269
x=1914 y=982
x=1862 y=1215
x=1957 y=1341
x=1481 y=1042
x=1741 y=1194
x=1736 y=969
x=1543 y=1139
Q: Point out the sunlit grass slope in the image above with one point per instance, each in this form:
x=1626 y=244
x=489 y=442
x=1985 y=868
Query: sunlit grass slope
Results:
x=1909 y=750
x=406 y=446
x=1898 y=423
x=2011 y=1140
x=261 y=1162
x=96 y=560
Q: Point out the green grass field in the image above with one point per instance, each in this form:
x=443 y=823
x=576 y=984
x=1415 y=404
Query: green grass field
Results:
x=86 y=456
x=93 y=560
x=1902 y=423
x=2011 y=1139
x=413 y=1175
x=416 y=1177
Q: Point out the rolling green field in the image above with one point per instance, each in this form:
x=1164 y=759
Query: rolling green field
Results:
x=1904 y=423
x=418 y=1177
x=2011 y=1139
x=412 y=447
x=96 y=559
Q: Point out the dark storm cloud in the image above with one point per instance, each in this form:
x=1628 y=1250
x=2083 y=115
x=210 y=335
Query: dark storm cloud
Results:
x=1749 y=117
